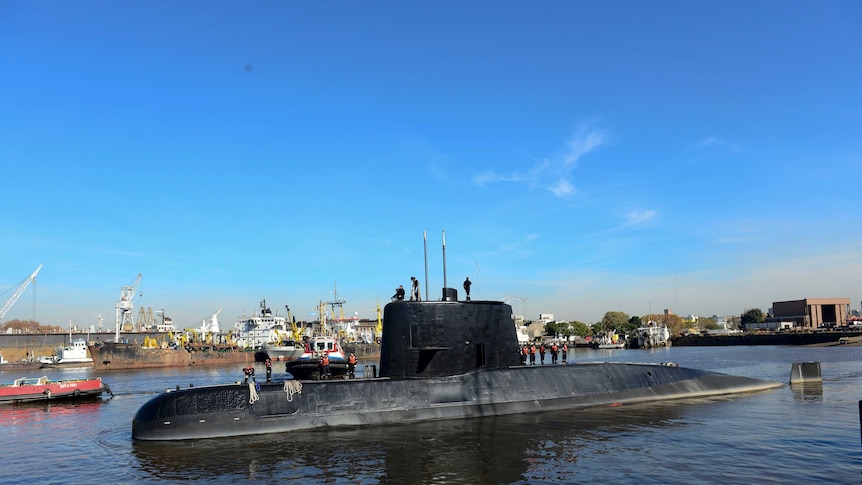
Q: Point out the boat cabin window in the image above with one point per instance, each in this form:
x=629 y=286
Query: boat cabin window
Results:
x=31 y=381
x=324 y=346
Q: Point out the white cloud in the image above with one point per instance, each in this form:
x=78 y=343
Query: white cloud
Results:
x=562 y=188
x=553 y=174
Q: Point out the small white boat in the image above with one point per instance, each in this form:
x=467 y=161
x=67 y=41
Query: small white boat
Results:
x=75 y=353
x=283 y=350
x=609 y=341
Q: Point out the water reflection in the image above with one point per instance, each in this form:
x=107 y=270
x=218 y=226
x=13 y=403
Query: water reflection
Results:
x=484 y=450
x=33 y=412
x=809 y=391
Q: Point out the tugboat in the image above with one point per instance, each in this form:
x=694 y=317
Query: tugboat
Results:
x=310 y=364
x=444 y=359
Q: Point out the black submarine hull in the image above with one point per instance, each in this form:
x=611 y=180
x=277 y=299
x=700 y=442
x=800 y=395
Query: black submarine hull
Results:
x=220 y=411
x=439 y=360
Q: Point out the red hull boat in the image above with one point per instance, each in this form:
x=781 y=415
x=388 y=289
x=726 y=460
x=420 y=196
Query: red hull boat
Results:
x=43 y=389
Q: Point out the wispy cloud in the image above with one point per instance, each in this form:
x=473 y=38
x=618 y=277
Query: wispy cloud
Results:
x=734 y=240
x=716 y=142
x=513 y=245
x=638 y=217
x=562 y=188
x=552 y=174
x=631 y=221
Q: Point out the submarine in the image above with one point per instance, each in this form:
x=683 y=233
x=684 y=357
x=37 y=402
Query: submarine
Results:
x=439 y=360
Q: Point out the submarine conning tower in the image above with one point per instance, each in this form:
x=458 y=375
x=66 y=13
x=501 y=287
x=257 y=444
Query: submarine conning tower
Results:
x=443 y=338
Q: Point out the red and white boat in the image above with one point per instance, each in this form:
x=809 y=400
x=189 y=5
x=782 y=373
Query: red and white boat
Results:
x=44 y=389
x=309 y=364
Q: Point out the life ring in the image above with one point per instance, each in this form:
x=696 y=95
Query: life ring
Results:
x=76 y=392
x=48 y=393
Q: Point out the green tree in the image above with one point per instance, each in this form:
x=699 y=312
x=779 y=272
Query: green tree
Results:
x=635 y=322
x=567 y=329
x=554 y=328
x=674 y=323
x=753 y=315
x=580 y=329
x=615 y=321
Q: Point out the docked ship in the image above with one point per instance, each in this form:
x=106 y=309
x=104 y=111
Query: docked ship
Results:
x=270 y=336
x=651 y=336
x=205 y=347
x=444 y=359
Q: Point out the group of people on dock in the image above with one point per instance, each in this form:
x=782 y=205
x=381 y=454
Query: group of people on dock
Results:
x=528 y=353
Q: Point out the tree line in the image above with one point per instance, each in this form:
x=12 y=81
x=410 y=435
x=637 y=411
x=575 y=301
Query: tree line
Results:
x=622 y=323
x=29 y=326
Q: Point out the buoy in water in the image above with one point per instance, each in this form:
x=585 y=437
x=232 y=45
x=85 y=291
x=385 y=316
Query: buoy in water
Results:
x=805 y=373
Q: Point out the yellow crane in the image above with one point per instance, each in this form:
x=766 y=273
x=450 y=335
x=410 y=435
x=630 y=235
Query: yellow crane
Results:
x=296 y=332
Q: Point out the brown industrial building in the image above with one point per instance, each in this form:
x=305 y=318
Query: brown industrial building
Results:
x=812 y=312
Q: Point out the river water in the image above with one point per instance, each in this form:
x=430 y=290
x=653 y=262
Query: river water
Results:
x=786 y=435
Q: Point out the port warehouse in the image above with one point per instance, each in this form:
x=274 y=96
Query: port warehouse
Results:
x=811 y=313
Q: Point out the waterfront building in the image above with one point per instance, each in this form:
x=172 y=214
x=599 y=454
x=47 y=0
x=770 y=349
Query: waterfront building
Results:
x=812 y=312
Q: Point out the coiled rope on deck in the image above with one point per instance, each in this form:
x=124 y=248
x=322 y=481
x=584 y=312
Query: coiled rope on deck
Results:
x=291 y=388
x=252 y=393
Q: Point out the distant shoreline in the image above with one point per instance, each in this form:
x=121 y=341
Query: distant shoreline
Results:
x=783 y=338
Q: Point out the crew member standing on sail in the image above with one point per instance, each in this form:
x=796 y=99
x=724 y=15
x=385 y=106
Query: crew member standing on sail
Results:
x=467 y=284
x=414 y=294
x=533 y=354
x=554 y=350
x=565 y=351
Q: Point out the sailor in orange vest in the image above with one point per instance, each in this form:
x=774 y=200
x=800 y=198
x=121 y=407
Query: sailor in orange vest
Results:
x=565 y=351
x=524 y=351
x=324 y=366
x=533 y=354
x=542 y=354
x=554 y=350
x=351 y=366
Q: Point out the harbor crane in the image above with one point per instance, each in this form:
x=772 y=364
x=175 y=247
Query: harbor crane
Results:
x=23 y=286
x=508 y=300
x=125 y=316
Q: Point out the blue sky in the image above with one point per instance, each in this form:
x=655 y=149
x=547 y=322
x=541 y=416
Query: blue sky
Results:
x=582 y=157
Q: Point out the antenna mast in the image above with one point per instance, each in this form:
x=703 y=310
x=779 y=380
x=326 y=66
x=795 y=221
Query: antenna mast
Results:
x=425 y=239
x=444 y=263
